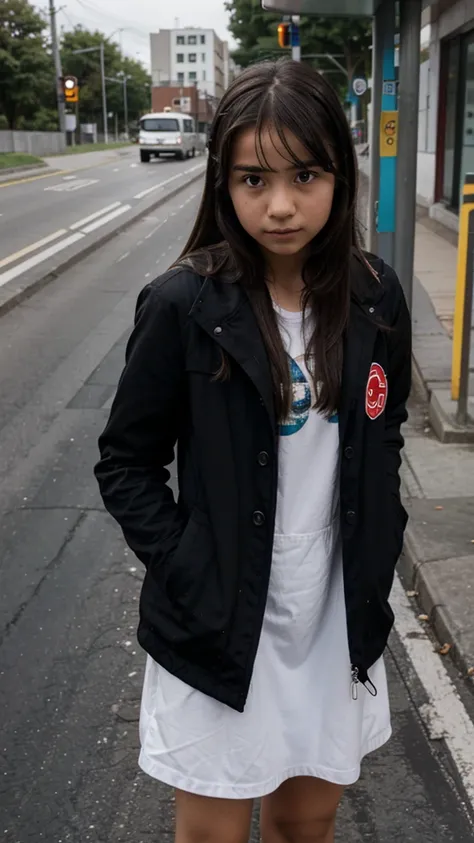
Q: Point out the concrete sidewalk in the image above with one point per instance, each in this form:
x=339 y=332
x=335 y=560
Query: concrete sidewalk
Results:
x=437 y=566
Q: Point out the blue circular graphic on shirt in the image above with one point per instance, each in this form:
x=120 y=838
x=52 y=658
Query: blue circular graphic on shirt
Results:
x=301 y=404
x=303 y=401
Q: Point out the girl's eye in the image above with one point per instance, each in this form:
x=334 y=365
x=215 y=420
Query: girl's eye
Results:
x=252 y=181
x=306 y=177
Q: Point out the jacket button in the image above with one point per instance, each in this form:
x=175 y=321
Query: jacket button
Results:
x=258 y=518
x=350 y=516
x=263 y=458
x=349 y=452
x=218 y=330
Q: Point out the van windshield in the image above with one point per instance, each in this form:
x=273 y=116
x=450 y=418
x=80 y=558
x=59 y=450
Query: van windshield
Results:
x=159 y=124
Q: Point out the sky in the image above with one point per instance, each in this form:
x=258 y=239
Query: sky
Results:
x=140 y=17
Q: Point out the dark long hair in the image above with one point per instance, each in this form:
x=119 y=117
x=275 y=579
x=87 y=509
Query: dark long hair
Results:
x=284 y=95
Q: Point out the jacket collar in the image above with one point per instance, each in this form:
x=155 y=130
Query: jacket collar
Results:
x=224 y=311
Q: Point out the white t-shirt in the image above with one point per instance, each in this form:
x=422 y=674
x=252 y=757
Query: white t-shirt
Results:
x=300 y=718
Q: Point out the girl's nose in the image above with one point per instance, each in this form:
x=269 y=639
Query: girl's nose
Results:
x=281 y=204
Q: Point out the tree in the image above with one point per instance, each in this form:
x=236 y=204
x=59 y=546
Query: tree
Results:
x=348 y=39
x=86 y=66
x=26 y=66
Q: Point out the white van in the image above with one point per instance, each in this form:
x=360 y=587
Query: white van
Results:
x=169 y=132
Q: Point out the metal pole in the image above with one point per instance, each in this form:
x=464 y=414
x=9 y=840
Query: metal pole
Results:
x=125 y=103
x=104 y=93
x=409 y=76
x=295 y=34
x=382 y=180
x=58 y=68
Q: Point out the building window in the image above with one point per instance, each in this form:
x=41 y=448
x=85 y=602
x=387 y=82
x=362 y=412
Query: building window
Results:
x=192 y=58
x=192 y=76
x=203 y=57
x=180 y=58
x=181 y=77
x=457 y=118
x=204 y=76
x=192 y=39
x=180 y=39
x=203 y=39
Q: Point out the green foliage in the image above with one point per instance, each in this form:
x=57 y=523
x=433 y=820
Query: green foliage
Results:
x=27 y=75
x=86 y=66
x=26 y=67
x=348 y=39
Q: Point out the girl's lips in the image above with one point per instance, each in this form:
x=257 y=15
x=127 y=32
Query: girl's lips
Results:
x=284 y=232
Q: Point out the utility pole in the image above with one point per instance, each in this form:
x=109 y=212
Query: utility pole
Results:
x=104 y=93
x=409 y=79
x=125 y=102
x=58 y=68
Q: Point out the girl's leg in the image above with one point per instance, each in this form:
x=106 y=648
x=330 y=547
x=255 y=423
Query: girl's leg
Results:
x=302 y=810
x=203 y=819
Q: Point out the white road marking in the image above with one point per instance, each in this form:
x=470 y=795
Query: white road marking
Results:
x=10 y=274
x=122 y=257
x=444 y=715
x=133 y=165
x=116 y=170
x=94 y=216
x=167 y=181
x=69 y=178
x=78 y=184
x=32 y=247
x=103 y=220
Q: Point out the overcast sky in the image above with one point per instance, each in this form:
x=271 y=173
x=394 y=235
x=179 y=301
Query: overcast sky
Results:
x=140 y=17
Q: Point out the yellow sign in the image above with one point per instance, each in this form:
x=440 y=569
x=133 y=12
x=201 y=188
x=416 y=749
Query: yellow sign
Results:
x=388 y=134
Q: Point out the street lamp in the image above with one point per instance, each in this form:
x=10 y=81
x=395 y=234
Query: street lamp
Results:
x=102 y=73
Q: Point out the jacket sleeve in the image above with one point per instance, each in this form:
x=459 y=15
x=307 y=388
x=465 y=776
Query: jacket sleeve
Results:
x=399 y=385
x=139 y=439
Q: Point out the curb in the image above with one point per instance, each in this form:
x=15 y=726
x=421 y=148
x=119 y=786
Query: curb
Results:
x=416 y=577
x=444 y=425
x=21 y=295
x=26 y=168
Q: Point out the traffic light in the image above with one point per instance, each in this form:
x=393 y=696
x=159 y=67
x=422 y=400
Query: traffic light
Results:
x=71 y=89
x=284 y=34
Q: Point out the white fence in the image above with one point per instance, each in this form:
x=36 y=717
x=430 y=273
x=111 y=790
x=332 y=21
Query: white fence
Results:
x=34 y=143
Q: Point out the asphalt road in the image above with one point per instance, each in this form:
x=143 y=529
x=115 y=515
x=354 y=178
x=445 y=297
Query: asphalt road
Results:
x=70 y=668
x=36 y=209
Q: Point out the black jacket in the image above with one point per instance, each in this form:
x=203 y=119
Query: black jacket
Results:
x=208 y=555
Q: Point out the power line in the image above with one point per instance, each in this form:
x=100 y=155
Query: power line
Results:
x=91 y=8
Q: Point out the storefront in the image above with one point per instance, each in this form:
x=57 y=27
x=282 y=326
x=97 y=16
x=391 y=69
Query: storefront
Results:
x=455 y=153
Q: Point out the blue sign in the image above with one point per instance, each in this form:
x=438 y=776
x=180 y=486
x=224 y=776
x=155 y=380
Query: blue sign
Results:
x=295 y=35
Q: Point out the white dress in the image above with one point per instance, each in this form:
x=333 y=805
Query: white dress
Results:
x=300 y=718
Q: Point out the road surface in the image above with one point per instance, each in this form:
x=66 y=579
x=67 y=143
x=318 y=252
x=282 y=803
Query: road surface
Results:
x=70 y=667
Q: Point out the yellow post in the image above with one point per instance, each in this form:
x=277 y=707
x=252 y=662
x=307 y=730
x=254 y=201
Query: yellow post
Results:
x=467 y=205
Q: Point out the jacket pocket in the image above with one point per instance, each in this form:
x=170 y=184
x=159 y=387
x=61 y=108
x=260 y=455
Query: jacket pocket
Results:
x=191 y=574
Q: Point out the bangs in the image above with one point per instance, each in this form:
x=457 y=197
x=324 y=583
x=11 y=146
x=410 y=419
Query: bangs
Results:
x=276 y=113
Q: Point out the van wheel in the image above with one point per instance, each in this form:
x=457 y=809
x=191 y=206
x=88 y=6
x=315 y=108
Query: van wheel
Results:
x=193 y=153
x=144 y=156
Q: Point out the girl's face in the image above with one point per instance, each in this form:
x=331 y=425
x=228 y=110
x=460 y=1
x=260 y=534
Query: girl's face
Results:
x=281 y=205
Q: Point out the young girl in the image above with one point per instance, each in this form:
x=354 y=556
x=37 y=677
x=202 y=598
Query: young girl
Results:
x=276 y=355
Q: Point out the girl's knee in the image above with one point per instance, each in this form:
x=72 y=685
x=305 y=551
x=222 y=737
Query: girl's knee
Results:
x=202 y=819
x=290 y=831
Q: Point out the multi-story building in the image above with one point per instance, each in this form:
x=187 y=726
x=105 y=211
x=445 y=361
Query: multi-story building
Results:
x=190 y=57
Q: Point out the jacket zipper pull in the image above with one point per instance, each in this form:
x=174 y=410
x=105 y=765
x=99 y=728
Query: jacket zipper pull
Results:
x=355 y=682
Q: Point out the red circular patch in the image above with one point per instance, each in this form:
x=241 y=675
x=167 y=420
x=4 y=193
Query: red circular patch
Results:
x=376 y=393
